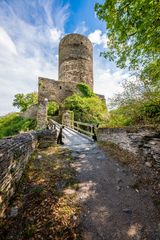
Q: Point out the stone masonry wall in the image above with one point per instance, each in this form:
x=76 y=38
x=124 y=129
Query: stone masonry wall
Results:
x=143 y=142
x=14 y=155
x=76 y=59
x=31 y=112
x=55 y=90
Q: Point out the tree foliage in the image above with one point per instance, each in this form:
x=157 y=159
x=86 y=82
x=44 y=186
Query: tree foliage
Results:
x=150 y=75
x=137 y=104
x=133 y=30
x=53 y=108
x=24 y=101
x=13 y=123
x=87 y=107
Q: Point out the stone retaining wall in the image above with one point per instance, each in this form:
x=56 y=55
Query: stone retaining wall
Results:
x=14 y=155
x=142 y=142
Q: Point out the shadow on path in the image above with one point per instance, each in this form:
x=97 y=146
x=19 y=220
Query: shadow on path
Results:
x=111 y=209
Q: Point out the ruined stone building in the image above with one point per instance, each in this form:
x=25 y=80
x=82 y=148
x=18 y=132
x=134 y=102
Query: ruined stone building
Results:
x=75 y=66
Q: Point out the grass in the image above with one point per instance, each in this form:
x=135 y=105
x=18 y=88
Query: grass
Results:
x=12 y=124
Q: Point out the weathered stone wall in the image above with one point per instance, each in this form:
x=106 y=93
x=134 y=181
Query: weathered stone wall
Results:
x=54 y=90
x=31 y=112
x=76 y=59
x=14 y=155
x=42 y=115
x=51 y=90
x=68 y=118
x=142 y=142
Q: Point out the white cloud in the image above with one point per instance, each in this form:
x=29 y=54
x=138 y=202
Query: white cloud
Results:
x=98 y=38
x=55 y=35
x=81 y=28
x=107 y=78
x=107 y=82
x=27 y=50
x=56 y=13
x=6 y=42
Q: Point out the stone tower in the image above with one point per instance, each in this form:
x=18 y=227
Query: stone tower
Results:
x=76 y=59
x=75 y=66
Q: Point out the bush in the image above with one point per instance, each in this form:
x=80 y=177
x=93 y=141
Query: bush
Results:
x=53 y=108
x=142 y=112
x=12 y=124
x=85 y=90
x=87 y=107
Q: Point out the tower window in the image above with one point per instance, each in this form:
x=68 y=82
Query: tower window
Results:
x=60 y=87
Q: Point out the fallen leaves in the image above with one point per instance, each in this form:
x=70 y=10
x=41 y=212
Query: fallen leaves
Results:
x=46 y=210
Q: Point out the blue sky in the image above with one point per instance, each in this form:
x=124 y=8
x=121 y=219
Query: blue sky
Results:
x=30 y=31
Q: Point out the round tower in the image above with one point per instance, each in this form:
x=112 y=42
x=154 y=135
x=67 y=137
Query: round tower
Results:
x=76 y=59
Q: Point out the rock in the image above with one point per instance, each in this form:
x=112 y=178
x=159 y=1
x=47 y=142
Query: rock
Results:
x=119 y=180
x=74 y=155
x=74 y=218
x=148 y=164
x=82 y=156
x=100 y=157
x=127 y=210
x=87 y=149
x=39 y=157
x=118 y=188
x=157 y=237
x=14 y=212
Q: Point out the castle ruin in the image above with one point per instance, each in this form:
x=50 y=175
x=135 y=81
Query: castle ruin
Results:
x=75 y=66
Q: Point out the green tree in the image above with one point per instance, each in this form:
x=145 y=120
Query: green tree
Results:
x=133 y=31
x=150 y=75
x=24 y=101
x=137 y=104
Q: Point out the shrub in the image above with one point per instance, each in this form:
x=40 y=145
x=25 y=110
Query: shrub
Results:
x=13 y=123
x=87 y=107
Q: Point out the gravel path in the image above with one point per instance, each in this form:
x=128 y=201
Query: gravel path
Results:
x=111 y=208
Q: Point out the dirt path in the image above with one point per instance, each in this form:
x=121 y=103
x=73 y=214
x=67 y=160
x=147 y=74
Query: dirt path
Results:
x=77 y=192
x=111 y=208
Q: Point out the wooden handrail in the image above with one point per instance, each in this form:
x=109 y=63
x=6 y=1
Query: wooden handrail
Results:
x=85 y=124
x=90 y=126
x=77 y=127
x=83 y=131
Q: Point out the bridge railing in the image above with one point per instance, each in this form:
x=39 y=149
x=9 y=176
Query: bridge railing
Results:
x=85 y=128
x=52 y=124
